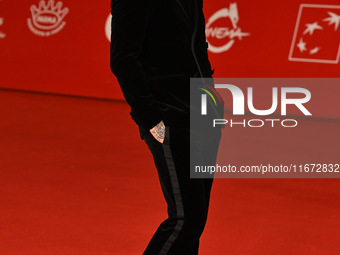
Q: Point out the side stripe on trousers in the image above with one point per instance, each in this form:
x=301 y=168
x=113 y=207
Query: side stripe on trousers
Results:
x=177 y=194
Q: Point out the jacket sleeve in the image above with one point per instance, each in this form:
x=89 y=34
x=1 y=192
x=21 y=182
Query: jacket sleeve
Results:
x=202 y=44
x=128 y=30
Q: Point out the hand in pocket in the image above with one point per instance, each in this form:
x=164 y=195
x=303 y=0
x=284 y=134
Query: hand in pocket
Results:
x=158 y=132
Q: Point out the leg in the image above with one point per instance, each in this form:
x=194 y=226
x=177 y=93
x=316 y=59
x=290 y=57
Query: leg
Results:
x=187 y=199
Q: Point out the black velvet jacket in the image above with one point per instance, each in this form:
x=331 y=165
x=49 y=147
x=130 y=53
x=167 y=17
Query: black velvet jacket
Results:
x=156 y=46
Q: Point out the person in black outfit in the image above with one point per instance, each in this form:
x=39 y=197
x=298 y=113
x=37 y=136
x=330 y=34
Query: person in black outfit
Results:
x=156 y=46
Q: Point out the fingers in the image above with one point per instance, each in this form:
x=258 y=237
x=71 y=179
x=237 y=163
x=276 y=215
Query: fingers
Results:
x=158 y=132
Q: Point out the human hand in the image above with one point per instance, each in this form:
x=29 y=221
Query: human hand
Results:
x=158 y=132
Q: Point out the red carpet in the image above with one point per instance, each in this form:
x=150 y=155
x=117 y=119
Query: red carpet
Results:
x=75 y=179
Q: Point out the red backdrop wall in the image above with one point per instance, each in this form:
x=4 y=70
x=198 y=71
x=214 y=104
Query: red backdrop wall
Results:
x=63 y=47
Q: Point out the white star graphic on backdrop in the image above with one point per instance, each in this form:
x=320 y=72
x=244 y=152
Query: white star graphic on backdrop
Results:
x=314 y=50
x=311 y=27
x=301 y=45
x=333 y=19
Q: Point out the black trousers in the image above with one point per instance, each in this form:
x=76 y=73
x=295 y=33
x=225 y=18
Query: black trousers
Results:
x=187 y=199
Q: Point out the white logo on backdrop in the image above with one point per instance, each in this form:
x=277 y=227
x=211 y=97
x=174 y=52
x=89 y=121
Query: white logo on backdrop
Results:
x=217 y=33
x=317 y=34
x=47 y=18
x=108 y=27
x=2 y=35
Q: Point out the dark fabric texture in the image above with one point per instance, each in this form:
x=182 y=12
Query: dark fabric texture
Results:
x=156 y=47
x=187 y=199
x=152 y=41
